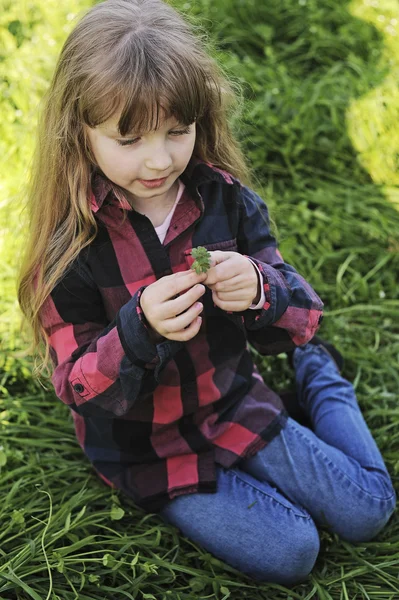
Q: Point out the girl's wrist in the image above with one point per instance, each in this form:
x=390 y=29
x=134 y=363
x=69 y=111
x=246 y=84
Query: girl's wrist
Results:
x=153 y=333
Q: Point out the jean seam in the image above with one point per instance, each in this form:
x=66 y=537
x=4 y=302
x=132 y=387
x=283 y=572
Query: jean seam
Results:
x=307 y=517
x=342 y=473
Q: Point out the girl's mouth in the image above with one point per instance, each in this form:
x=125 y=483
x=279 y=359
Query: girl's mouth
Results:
x=152 y=183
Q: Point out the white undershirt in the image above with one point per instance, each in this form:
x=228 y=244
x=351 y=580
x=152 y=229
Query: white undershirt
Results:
x=162 y=229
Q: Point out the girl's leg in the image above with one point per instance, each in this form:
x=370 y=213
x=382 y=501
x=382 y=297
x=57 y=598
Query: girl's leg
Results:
x=249 y=525
x=336 y=472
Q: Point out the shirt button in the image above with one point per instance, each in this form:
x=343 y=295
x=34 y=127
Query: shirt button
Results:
x=78 y=387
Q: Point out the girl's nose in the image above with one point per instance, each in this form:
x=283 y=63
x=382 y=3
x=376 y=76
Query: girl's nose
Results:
x=159 y=159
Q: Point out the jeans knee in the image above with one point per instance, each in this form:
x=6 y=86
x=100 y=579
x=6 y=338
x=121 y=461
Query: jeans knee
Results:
x=369 y=520
x=294 y=557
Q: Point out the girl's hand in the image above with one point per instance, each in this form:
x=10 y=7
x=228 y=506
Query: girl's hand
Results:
x=233 y=280
x=167 y=312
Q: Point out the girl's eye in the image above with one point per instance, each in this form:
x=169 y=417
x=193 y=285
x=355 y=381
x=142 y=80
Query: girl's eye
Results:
x=127 y=142
x=135 y=140
x=180 y=132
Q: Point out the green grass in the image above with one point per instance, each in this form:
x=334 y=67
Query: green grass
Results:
x=320 y=126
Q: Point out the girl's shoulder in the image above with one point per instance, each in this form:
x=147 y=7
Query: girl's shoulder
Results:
x=202 y=170
x=227 y=177
x=243 y=192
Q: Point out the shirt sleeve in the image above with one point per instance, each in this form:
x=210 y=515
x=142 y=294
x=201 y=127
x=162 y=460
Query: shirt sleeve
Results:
x=291 y=311
x=101 y=368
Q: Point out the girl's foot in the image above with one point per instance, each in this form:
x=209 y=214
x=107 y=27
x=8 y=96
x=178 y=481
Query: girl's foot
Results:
x=289 y=398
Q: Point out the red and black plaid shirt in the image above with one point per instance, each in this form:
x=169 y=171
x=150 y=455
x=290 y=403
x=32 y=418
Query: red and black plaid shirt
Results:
x=155 y=418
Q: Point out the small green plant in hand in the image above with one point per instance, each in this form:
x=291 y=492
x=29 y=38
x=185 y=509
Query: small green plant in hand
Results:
x=202 y=260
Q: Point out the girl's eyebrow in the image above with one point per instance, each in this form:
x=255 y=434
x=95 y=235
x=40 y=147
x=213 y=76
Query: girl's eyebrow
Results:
x=113 y=132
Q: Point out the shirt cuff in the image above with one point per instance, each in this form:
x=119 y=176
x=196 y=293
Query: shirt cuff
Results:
x=140 y=347
x=262 y=295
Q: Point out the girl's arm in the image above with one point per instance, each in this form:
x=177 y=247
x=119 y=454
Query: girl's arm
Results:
x=292 y=311
x=101 y=368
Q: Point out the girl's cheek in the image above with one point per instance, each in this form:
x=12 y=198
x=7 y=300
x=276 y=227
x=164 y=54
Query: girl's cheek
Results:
x=122 y=158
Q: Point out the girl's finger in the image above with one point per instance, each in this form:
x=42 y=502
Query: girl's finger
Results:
x=181 y=303
x=230 y=305
x=186 y=334
x=171 y=286
x=181 y=321
x=191 y=331
x=232 y=295
x=235 y=283
x=223 y=271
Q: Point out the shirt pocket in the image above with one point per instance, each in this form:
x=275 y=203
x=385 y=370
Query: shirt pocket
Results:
x=226 y=246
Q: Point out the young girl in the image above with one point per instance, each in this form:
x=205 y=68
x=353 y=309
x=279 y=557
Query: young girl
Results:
x=135 y=167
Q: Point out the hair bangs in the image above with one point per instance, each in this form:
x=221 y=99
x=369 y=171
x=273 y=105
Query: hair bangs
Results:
x=100 y=103
x=149 y=105
x=157 y=88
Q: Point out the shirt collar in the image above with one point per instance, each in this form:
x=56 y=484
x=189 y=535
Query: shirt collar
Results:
x=196 y=172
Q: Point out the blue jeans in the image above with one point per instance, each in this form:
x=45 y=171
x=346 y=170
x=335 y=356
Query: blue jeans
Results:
x=264 y=516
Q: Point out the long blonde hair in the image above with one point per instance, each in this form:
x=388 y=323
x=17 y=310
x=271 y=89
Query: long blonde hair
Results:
x=140 y=55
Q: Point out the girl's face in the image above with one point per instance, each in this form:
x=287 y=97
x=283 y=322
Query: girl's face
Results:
x=144 y=165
